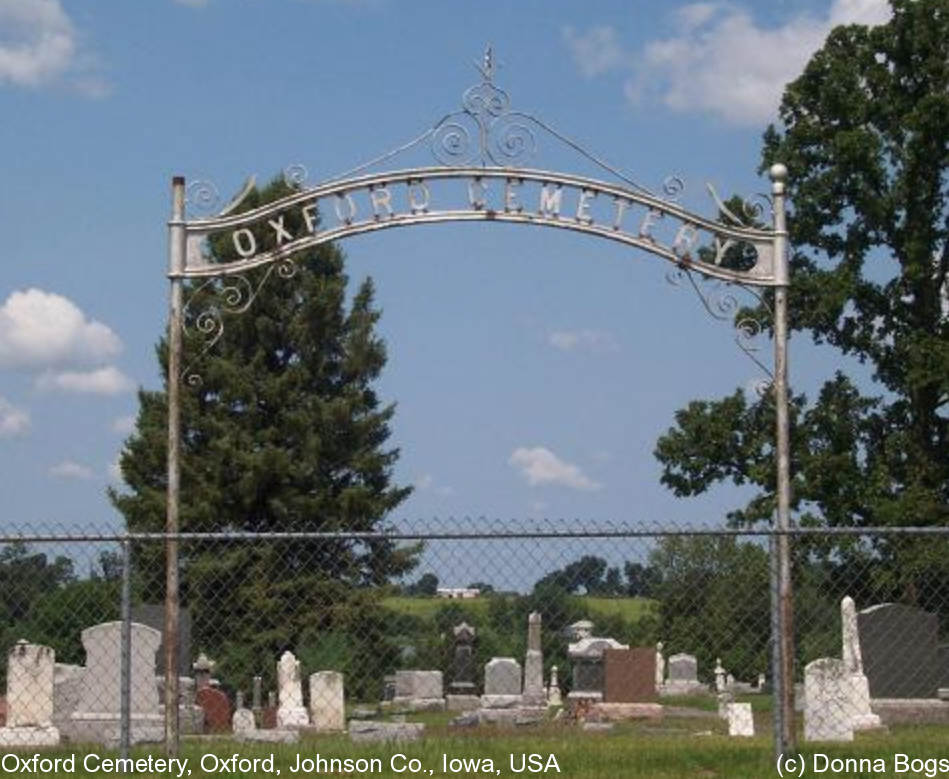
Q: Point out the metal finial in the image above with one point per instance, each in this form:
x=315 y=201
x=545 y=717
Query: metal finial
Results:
x=486 y=68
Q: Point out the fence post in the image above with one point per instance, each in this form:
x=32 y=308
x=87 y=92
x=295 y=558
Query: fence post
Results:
x=126 y=651
x=176 y=263
x=784 y=646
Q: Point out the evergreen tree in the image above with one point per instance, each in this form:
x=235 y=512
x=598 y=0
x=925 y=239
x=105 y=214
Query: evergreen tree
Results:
x=284 y=432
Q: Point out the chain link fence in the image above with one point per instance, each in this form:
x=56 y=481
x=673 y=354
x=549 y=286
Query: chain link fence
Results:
x=497 y=623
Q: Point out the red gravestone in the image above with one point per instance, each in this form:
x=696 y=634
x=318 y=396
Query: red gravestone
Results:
x=629 y=675
x=217 y=710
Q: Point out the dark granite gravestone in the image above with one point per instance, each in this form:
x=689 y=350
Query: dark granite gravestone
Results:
x=898 y=644
x=463 y=662
x=217 y=710
x=629 y=675
x=153 y=615
x=587 y=676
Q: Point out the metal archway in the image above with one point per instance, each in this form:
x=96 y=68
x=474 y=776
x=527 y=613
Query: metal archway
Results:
x=488 y=185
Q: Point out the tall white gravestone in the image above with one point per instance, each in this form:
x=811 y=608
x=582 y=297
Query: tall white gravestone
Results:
x=660 y=667
x=29 y=697
x=290 y=710
x=861 y=715
x=534 y=693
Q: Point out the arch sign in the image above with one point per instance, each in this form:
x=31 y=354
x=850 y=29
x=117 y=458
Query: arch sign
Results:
x=482 y=150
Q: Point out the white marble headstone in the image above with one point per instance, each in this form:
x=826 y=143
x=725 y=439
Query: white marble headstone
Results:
x=740 y=720
x=290 y=710
x=327 y=701
x=827 y=715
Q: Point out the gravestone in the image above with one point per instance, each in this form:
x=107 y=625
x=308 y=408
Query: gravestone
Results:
x=827 y=700
x=660 y=666
x=66 y=684
x=256 y=693
x=153 y=615
x=683 y=676
x=629 y=675
x=740 y=720
x=217 y=709
x=419 y=690
x=97 y=712
x=554 y=697
x=327 y=703
x=534 y=693
x=898 y=644
x=683 y=668
x=586 y=657
x=243 y=721
x=290 y=711
x=203 y=667
x=29 y=699
x=861 y=715
x=463 y=661
x=502 y=683
x=721 y=682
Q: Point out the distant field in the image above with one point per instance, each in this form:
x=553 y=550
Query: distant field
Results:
x=630 y=609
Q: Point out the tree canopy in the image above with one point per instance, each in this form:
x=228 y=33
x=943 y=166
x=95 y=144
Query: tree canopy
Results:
x=865 y=136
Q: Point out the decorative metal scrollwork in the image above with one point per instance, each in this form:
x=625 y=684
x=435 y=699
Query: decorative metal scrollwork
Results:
x=295 y=175
x=202 y=197
x=503 y=137
x=231 y=296
x=719 y=300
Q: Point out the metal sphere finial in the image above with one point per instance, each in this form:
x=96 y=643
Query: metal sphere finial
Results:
x=778 y=172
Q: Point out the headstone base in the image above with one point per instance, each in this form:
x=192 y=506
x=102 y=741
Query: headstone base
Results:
x=500 y=701
x=29 y=736
x=614 y=712
x=363 y=731
x=584 y=695
x=269 y=736
x=90 y=727
x=513 y=716
x=911 y=711
x=462 y=702
x=419 y=704
x=683 y=688
x=293 y=717
x=863 y=717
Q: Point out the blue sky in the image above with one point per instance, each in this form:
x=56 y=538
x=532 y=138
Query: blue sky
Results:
x=533 y=369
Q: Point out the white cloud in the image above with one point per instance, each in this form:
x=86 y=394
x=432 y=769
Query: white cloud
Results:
x=42 y=329
x=123 y=425
x=114 y=470
x=40 y=46
x=192 y=3
x=541 y=466
x=101 y=381
x=424 y=481
x=13 y=421
x=720 y=60
x=597 y=341
x=70 y=469
x=596 y=51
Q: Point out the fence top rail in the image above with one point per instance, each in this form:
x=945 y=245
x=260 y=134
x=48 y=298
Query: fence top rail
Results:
x=487 y=534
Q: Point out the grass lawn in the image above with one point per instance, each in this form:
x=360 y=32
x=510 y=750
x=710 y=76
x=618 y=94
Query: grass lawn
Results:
x=694 y=746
